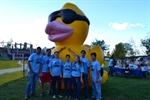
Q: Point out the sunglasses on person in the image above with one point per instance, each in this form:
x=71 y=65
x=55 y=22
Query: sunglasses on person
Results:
x=68 y=16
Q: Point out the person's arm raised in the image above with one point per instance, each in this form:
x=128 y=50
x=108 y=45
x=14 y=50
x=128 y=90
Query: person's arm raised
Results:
x=61 y=49
x=73 y=53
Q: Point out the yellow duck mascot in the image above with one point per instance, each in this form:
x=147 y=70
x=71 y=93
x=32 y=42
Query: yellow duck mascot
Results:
x=68 y=27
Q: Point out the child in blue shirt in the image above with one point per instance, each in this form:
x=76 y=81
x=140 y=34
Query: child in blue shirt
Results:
x=96 y=77
x=77 y=70
x=35 y=69
x=67 y=71
x=55 y=67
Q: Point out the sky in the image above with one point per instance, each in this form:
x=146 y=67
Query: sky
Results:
x=114 y=21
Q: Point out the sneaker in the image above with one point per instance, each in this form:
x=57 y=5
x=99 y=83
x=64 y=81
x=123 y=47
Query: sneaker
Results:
x=49 y=92
x=59 y=96
x=27 y=97
x=66 y=97
x=93 y=96
x=33 y=94
x=54 y=96
x=69 y=98
x=42 y=94
x=86 y=98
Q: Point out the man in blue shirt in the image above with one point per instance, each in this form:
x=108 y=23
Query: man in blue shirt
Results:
x=55 y=67
x=86 y=64
x=110 y=67
x=35 y=70
x=96 y=77
x=46 y=76
x=67 y=71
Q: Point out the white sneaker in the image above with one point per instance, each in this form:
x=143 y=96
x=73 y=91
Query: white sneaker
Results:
x=54 y=96
x=66 y=97
x=59 y=96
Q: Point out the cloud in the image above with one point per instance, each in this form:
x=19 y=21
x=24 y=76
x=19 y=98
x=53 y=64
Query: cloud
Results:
x=124 y=26
x=20 y=32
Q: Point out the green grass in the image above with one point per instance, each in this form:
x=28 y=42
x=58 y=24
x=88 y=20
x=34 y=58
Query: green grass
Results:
x=5 y=78
x=116 y=88
x=9 y=64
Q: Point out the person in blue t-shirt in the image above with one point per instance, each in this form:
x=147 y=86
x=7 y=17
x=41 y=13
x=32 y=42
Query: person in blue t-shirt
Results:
x=67 y=71
x=110 y=67
x=35 y=69
x=86 y=65
x=46 y=76
x=77 y=70
x=55 y=67
x=96 y=77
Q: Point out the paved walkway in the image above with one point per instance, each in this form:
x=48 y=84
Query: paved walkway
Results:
x=10 y=70
x=4 y=71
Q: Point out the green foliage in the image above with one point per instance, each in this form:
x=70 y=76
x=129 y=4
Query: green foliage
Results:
x=9 y=64
x=146 y=43
x=100 y=43
x=5 y=78
x=119 y=51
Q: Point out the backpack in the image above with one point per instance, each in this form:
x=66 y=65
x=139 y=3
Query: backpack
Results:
x=101 y=71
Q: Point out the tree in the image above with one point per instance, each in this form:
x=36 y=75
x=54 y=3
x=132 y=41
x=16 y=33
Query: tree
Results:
x=119 y=51
x=146 y=43
x=135 y=50
x=128 y=48
x=108 y=54
x=100 y=43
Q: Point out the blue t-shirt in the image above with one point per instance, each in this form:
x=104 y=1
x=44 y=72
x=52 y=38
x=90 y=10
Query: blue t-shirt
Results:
x=35 y=61
x=86 y=64
x=111 y=63
x=95 y=66
x=56 y=66
x=67 y=70
x=77 y=69
x=46 y=60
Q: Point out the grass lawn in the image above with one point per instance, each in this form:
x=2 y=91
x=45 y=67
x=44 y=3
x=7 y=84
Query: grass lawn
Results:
x=9 y=64
x=5 y=78
x=116 y=88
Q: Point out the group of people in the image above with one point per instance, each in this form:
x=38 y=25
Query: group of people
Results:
x=136 y=64
x=51 y=69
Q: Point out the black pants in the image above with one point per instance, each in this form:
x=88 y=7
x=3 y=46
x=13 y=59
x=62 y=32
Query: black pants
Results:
x=144 y=74
x=54 y=79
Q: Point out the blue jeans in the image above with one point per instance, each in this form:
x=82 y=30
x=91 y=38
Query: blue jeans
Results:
x=110 y=70
x=96 y=90
x=31 y=84
x=77 y=86
x=68 y=86
x=54 y=79
x=85 y=79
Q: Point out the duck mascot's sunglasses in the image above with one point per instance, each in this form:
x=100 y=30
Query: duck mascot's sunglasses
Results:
x=68 y=16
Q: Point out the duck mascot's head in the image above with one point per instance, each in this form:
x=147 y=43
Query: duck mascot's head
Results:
x=67 y=26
